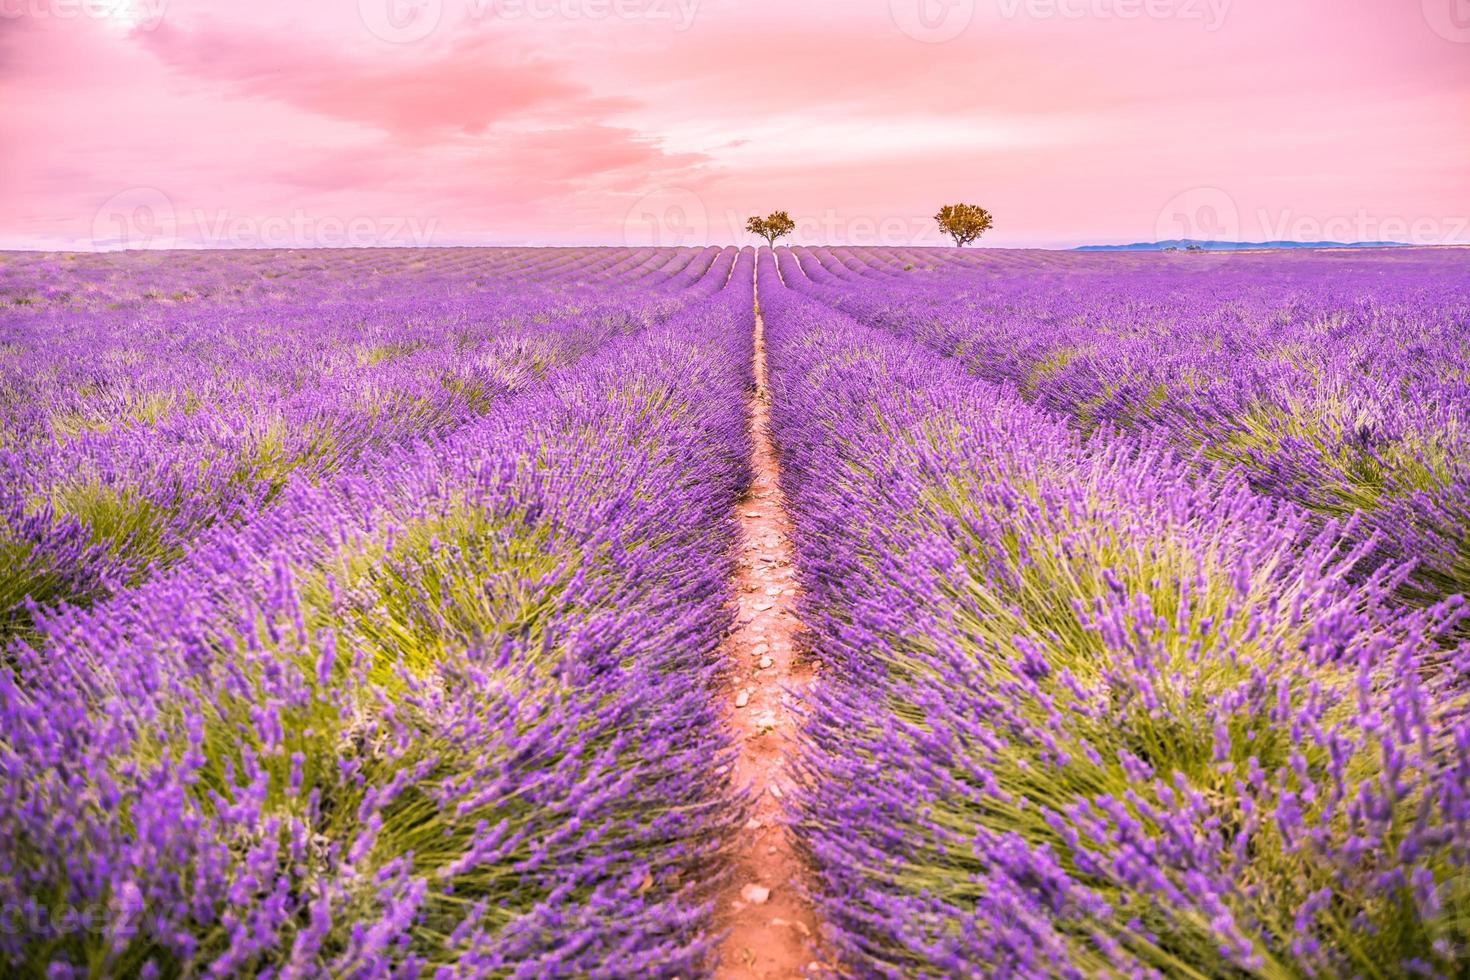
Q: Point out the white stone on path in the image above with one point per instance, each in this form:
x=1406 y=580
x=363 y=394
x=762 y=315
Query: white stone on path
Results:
x=755 y=894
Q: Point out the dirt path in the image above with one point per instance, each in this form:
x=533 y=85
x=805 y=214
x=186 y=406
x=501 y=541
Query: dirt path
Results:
x=771 y=926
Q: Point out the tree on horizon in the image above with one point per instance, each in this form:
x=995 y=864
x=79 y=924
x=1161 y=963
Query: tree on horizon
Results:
x=777 y=224
x=964 y=222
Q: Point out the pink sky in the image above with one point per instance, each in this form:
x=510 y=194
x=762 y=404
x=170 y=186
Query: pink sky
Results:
x=396 y=122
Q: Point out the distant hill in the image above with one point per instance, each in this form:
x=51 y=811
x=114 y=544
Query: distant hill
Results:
x=1182 y=243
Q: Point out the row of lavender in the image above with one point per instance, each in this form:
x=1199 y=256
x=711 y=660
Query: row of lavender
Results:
x=80 y=281
x=124 y=433
x=1091 y=709
x=446 y=710
x=1334 y=379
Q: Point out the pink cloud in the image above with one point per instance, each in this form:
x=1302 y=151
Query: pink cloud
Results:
x=469 y=87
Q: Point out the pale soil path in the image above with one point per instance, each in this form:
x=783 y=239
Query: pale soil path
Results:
x=772 y=929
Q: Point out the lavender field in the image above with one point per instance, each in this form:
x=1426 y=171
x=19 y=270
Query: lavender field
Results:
x=366 y=612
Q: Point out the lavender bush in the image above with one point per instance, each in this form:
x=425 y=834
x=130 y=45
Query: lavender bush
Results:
x=142 y=427
x=1093 y=709
x=1336 y=380
x=445 y=714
